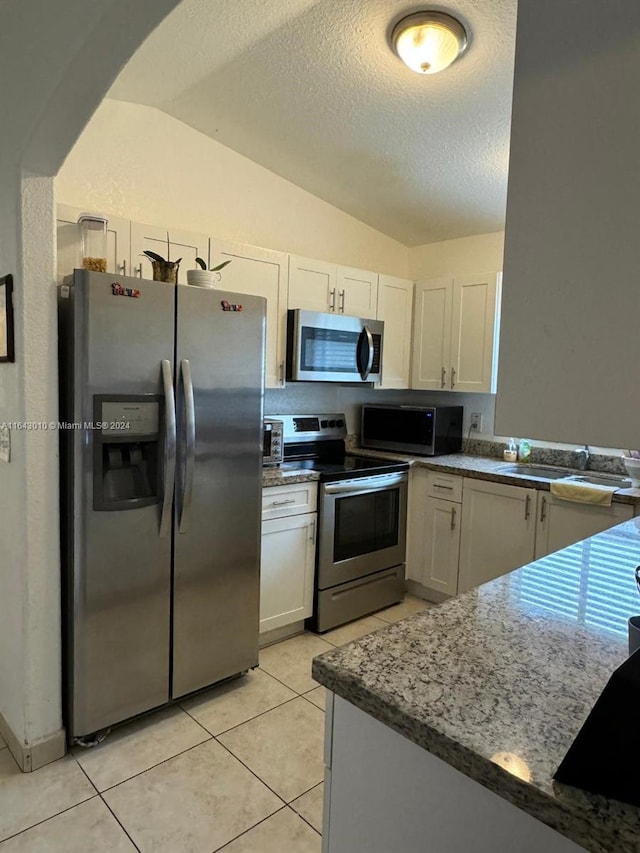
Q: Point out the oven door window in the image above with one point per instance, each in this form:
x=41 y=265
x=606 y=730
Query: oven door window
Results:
x=365 y=523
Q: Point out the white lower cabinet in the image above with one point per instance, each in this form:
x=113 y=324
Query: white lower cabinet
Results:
x=498 y=531
x=561 y=523
x=433 y=546
x=288 y=555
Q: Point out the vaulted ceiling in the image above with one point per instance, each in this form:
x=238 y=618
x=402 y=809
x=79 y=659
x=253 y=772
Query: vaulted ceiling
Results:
x=311 y=90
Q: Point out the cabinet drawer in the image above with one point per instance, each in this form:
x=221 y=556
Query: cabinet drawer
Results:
x=445 y=486
x=280 y=501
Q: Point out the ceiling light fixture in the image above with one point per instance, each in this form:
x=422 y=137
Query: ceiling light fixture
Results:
x=428 y=41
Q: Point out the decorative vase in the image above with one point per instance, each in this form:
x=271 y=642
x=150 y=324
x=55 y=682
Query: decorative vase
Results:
x=166 y=271
x=203 y=278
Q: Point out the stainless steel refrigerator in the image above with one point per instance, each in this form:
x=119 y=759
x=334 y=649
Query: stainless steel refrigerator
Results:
x=161 y=399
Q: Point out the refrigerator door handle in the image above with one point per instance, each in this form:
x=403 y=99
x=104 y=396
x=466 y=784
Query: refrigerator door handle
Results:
x=190 y=425
x=170 y=449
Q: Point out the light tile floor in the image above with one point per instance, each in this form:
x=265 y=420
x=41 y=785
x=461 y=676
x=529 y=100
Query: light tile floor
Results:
x=238 y=768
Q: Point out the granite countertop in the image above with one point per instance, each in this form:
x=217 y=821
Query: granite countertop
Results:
x=508 y=673
x=463 y=464
x=483 y=468
x=281 y=477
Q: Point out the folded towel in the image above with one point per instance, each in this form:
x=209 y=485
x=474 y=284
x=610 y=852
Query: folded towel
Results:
x=583 y=493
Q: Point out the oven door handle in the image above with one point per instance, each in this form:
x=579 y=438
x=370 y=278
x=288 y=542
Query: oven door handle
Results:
x=364 y=485
x=364 y=372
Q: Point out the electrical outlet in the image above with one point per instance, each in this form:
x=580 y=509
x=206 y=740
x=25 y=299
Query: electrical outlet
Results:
x=476 y=422
x=5 y=444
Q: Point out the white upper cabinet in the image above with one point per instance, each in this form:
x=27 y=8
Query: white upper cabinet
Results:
x=474 y=332
x=455 y=333
x=357 y=293
x=320 y=286
x=259 y=272
x=183 y=244
x=432 y=334
x=312 y=284
x=68 y=242
x=395 y=308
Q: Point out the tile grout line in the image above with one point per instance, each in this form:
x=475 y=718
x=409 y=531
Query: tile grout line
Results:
x=159 y=764
x=44 y=820
x=107 y=806
x=284 y=684
x=245 y=831
x=261 y=714
x=253 y=773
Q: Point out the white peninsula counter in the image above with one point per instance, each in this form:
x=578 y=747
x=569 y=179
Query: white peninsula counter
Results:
x=444 y=730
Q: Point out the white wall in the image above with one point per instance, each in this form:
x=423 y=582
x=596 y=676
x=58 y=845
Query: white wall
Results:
x=572 y=255
x=57 y=61
x=139 y=163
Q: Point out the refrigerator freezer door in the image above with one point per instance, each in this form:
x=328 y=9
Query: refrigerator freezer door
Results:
x=220 y=356
x=117 y=572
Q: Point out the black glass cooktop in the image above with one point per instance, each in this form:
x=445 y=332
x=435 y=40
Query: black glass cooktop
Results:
x=347 y=467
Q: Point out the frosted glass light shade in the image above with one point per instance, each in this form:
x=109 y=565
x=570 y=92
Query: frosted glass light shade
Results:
x=428 y=42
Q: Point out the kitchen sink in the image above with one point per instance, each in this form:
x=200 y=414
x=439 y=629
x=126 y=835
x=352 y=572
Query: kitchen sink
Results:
x=603 y=480
x=542 y=472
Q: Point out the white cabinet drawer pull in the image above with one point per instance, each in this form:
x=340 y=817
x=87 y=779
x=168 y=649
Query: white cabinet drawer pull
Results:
x=440 y=486
x=282 y=503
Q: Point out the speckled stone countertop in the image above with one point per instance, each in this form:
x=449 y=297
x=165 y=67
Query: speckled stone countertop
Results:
x=511 y=667
x=279 y=477
x=483 y=468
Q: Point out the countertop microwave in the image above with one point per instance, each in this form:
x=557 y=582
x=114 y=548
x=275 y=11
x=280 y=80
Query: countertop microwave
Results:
x=333 y=347
x=423 y=430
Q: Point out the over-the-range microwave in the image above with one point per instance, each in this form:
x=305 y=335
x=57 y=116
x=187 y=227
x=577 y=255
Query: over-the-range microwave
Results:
x=425 y=430
x=333 y=347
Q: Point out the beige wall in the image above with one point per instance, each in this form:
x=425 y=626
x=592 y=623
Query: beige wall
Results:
x=465 y=256
x=135 y=161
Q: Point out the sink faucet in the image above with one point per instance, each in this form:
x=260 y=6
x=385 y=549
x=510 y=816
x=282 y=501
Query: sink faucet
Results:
x=582 y=457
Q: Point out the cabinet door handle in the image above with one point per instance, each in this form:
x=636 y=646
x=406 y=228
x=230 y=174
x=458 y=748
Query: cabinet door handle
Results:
x=443 y=378
x=122 y=268
x=312 y=538
x=137 y=271
x=332 y=299
x=453 y=518
x=342 y=301
x=282 y=503
x=282 y=372
x=543 y=509
x=440 y=486
x=453 y=377
x=527 y=506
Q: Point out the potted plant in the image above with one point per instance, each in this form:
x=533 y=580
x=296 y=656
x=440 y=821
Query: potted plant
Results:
x=164 y=270
x=204 y=277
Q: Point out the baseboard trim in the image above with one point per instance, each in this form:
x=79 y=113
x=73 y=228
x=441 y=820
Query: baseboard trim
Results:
x=31 y=756
x=268 y=638
x=426 y=592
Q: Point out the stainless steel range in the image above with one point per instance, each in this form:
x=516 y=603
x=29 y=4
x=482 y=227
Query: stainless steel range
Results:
x=362 y=517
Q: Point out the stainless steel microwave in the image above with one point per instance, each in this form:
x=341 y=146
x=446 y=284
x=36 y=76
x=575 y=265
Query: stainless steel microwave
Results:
x=425 y=430
x=333 y=347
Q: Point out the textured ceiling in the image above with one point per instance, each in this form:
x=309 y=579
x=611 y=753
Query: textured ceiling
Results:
x=311 y=90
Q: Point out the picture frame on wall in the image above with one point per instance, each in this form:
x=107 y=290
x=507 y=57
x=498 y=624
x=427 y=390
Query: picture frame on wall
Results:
x=7 y=352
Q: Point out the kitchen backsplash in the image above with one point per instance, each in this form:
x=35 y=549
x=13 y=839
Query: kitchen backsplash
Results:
x=318 y=397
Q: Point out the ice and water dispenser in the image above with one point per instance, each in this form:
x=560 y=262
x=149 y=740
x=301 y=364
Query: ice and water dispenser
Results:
x=127 y=448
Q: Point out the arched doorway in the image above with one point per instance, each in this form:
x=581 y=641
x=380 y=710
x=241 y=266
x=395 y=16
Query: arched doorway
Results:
x=57 y=61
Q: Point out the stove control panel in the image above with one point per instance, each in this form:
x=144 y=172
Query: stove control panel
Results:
x=323 y=427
